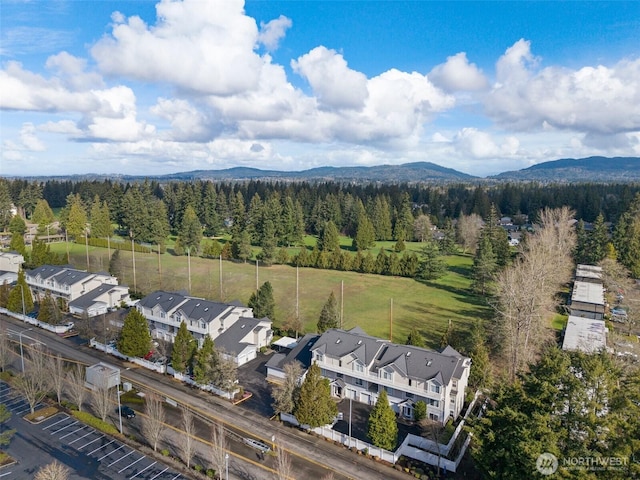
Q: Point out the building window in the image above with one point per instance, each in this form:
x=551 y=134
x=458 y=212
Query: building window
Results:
x=202 y=325
x=409 y=395
x=435 y=388
x=389 y=391
x=358 y=382
x=387 y=375
x=359 y=367
x=434 y=417
x=455 y=385
x=433 y=403
x=319 y=357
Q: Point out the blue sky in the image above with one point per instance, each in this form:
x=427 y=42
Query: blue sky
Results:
x=145 y=87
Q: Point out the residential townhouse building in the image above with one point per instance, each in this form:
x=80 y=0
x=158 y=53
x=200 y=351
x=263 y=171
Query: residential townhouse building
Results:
x=66 y=283
x=10 y=264
x=360 y=367
x=232 y=327
x=100 y=300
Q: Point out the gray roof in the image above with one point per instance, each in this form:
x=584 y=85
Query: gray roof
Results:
x=301 y=353
x=339 y=343
x=230 y=339
x=166 y=300
x=410 y=361
x=45 y=271
x=89 y=298
x=198 y=309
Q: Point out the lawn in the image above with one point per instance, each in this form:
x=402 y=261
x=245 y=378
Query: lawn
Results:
x=382 y=306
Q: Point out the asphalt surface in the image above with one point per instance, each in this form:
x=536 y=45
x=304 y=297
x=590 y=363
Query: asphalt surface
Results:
x=312 y=457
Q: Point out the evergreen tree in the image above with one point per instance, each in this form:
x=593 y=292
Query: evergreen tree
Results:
x=485 y=264
x=190 y=231
x=5 y=290
x=241 y=247
x=48 y=311
x=262 y=302
x=205 y=362
x=597 y=241
x=432 y=266
x=581 y=252
x=184 y=346
x=626 y=238
x=100 y=219
x=415 y=338
x=399 y=246
x=269 y=243
x=74 y=217
x=17 y=227
x=381 y=262
x=480 y=375
x=329 y=316
x=404 y=219
x=329 y=240
x=314 y=405
x=5 y=205
x=365 y=236
x=448 y=242
x=42 y=215
x=382 y=428
x=20 y=298
x=135 y=339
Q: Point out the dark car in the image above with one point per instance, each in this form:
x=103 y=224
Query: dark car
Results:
x=127 y=412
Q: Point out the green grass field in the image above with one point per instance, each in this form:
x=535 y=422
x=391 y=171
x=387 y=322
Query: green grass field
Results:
x=380 y=305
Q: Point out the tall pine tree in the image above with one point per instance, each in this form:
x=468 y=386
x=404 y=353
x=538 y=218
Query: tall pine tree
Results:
x=382 y=427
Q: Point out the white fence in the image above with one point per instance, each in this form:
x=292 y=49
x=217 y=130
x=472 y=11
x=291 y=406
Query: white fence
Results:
x=415 y=447
x=32 y=321
x=156 y=367
x=209 y=388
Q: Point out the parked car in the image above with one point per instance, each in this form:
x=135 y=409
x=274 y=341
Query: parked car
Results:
x=127 y=412
x=621 y=312
x=257 y=445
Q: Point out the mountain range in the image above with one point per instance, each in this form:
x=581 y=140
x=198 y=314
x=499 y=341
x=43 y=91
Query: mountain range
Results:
x=592 y=169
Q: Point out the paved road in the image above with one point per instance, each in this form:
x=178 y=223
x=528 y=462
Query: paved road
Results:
x=313 y=457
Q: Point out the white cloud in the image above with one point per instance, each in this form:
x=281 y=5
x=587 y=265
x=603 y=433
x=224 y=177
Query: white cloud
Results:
x=272 y=32
x=332 y=81
x=205 y=47
x=29 y=139
x=594 y=100
x=71 y=71
x=458 y=74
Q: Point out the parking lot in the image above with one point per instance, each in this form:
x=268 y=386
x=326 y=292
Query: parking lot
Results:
x=88 y=453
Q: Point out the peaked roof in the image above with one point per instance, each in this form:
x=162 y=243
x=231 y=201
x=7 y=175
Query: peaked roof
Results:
x=89 y=298
x=410 y=361
x=301 y=353
x=231 y=338
x=166 y=300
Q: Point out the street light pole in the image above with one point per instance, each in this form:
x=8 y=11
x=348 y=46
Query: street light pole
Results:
x=226 y=464
x=22 y=294
x=21 y=351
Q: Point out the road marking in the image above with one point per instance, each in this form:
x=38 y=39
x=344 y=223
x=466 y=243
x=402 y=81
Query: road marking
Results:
x=5 y=474
x=71 y=433
x=63 y=419
x=85 y=435
x=113 y=451
x=131 y=464
x=145 y=468
x=23 y=410
x=124 y=456
x=92 y=441
x=177 y=476
x=64 y=428
x=12 y=403
x=153 y=478
x=100 y=448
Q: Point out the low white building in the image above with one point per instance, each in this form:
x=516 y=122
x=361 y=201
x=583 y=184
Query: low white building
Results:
x=360 y=367
x=232 y=327
x=585 y=334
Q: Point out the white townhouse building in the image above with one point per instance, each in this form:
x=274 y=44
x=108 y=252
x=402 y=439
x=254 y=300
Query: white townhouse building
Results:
x=10 y=264
x=232 y=328
x=99 y=300
x=64 y=282
x=360 y=367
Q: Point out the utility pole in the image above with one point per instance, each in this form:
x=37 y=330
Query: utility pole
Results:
x=257 y=287
x=391 y=320
x=133 y=260
x=221 y=299
x=341 y=302
x=189 y=267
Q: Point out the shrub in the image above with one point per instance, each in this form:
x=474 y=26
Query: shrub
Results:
x=165 y=452
x=198 y=468
x=96 y=423
x=211 y=473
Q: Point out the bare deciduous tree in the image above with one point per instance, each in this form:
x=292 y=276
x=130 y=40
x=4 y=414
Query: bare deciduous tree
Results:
x=284 y=394
x=187 y=446
x=526 y=289
x=102 y=400
x=56 y=373
x=468 y=230
x=5 y=350
x=153 y=423
x=218 y=448
x=33 y=383
x=75 y=381
x=53 y=471
x=283 y=467
x=422 y=228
